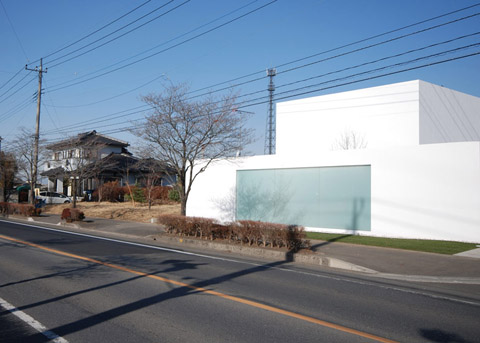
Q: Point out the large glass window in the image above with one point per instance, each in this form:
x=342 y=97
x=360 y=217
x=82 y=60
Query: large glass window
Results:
x=326 y=197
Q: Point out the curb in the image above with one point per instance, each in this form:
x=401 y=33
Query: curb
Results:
x=305 y=258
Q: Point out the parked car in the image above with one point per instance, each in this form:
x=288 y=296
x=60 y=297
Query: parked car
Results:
x=54 y=198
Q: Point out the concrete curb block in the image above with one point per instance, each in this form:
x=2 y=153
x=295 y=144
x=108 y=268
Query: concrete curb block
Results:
x=305 y=258
x=430 y=279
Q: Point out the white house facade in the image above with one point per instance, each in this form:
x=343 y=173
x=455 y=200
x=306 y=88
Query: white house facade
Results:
x=414 y=174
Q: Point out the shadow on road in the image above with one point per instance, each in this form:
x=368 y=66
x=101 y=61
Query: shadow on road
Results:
x=175 y=292
x=319 y=245
x=440 y=336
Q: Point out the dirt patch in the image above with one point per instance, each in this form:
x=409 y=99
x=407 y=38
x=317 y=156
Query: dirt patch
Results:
x=120 y=211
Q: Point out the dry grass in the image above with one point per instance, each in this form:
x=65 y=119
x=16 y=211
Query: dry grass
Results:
x=120 y=211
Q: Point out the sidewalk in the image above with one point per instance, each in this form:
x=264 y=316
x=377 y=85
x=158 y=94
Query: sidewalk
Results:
x=380 y=262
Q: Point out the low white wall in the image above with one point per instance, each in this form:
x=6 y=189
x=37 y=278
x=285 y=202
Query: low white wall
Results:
x=427 y=191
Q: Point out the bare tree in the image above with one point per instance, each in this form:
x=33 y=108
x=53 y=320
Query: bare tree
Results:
x=8 y=170
x=350 y=140
x=151 y=172
x=24 y=149
x=186 y=133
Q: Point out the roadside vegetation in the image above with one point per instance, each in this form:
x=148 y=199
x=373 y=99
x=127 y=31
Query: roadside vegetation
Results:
x=425 y=245
x=244 y=232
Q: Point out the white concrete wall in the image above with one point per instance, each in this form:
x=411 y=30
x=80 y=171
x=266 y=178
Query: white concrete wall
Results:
x=385 y=116
x=419 y=189
x=430 y=191
x=447 y=115
x=427 y=191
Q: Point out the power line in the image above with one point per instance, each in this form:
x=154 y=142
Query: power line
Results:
x=383 y=42
x=368 y=71
x=341 y=47
x=17 y=108
x=10 y=79
x=115 y=38
x=162 y=44
x=371 y=78
x=110 y=115
x=116 y=96
x=384 y=58
x=14 y=31
x=343 y=54
x=16 y=91
x=248 y=103
x=169 y=48
x=362 y=64
x=98 y=30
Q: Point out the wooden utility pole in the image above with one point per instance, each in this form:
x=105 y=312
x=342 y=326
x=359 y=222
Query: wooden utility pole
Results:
x=40 y=72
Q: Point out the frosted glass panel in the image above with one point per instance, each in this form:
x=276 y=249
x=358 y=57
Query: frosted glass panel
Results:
x=327 y=197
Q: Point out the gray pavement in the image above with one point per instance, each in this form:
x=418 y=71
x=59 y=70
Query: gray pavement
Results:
x=380 y=262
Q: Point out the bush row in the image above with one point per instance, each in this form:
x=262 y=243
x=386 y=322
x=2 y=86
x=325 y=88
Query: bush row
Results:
x=248 y=232
x=26 y=210
x=111 y=191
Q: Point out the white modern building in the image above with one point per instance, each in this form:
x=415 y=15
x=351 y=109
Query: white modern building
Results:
x=400 y=160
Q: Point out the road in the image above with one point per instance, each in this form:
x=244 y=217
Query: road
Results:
x=83 y=289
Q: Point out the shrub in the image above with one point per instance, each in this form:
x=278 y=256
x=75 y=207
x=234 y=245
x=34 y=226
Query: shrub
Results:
x=110 y=191
x=3 y=207
x=172 y=223
x=72 y=214
x=137 y=193
x=26 y=210
x=174 y=195
x=159 y=193
x=246 y=231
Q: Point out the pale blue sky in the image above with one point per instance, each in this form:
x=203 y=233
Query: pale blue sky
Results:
x=281 y=32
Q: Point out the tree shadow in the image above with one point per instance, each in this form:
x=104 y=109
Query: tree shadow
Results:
x=43 y=277
x=437 y=335
x=174 y=292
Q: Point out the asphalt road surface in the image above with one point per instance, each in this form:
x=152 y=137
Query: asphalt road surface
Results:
x=81 y=289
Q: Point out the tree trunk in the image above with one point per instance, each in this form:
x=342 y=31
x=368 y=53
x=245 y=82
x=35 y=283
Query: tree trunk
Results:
x=74 y=192
x=183 y=207
x=32 y=193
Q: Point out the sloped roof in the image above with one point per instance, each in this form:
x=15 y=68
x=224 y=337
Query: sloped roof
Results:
x=53 y=172
x=87 y=138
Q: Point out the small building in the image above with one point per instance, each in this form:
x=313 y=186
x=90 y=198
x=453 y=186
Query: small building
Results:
x=401 y=160
x=92 y=159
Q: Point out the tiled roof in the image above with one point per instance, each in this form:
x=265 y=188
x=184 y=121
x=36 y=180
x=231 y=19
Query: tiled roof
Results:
x=87 y=138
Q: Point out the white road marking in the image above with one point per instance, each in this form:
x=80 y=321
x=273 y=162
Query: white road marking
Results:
x=337 y=278
x=32 y=322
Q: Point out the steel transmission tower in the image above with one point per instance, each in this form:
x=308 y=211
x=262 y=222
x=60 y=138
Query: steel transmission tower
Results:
x=270 y=130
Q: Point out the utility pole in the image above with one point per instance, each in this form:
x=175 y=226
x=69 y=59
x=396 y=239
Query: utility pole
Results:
x=40 y=72
x=270 y=132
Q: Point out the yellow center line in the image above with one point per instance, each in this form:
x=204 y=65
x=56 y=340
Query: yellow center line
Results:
x=207 y=291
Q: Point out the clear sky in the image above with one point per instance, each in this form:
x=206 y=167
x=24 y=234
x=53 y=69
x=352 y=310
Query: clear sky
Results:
x=208 y=42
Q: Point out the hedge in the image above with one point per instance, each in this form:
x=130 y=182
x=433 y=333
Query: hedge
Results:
x=26 y=210
x=252 y=233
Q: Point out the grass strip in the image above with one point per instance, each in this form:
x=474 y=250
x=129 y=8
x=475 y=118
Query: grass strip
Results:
x=425 y=245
